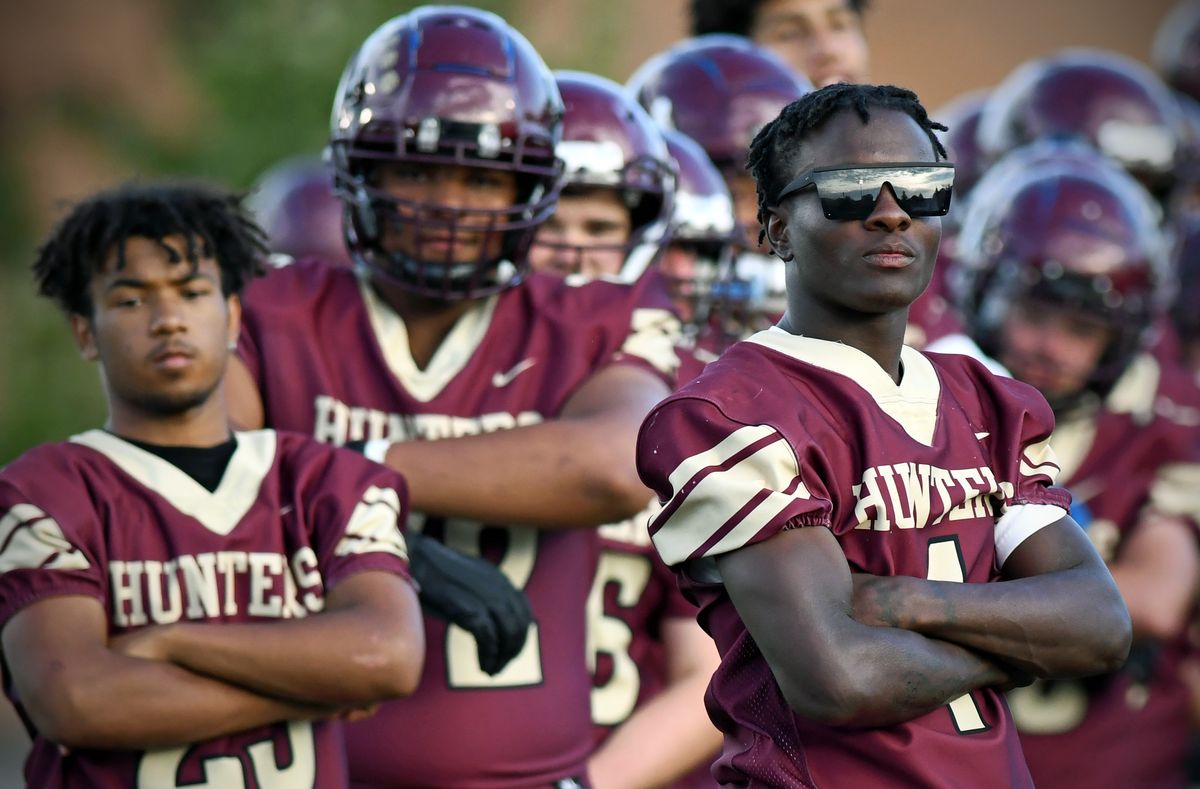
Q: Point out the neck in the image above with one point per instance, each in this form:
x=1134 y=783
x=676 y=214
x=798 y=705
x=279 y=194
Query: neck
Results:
x=879 y=336
x=205 y=425
x=426 y=320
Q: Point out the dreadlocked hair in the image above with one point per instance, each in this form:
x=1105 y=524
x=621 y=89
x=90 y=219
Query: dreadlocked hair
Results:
x=213 y=222
x=777 y=144
x=737 y=16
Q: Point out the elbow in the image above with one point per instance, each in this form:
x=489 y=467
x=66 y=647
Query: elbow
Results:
x=620 y=493
x=1115 y=639
x=830 y=700
x=62 y=717
x=391 y=665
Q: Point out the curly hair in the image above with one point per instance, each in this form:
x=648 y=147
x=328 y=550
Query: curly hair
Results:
x=777 y=145
x=737 y=16
x=214 y=222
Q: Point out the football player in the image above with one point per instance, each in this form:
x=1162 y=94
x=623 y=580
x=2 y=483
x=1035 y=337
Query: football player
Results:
x=511 y=401
x=1064 y=272
x=294 y=203
x=720 y=90
x=821 y=39
x=826 y=491
x=1185 y=311
x=615 y=207
x=182 y=605
x=650 y=660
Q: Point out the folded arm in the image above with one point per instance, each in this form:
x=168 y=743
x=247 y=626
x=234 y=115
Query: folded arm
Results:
x=574 y=470
x=795 y=594
x=1058 y=615
x=81 y=694
x=366 y=646
x=1157 y=573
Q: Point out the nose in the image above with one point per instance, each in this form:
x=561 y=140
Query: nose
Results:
x=167 y=316
x=887 y=215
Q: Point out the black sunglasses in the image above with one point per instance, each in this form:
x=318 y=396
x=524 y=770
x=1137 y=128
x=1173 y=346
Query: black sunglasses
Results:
x=849 y=192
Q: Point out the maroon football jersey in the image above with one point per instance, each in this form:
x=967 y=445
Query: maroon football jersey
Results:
x=332 y=360
x=632 y=594
x=100 y=517
x=789 y=432
x=1139 y=450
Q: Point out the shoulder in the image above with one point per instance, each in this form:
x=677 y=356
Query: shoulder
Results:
x=972 y=380
x=315 y=467
x=578 y=298
x=49 y=473
x=289 y=284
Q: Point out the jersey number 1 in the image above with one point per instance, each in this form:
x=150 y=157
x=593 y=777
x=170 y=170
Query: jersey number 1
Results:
x=946 y=564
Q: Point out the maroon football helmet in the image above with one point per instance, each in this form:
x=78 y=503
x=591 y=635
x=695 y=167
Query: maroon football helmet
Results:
x=295 y=204
x=1112 y=102
x=703 y=227
x=1177 y=48
x=961 y=117
x=1185 y=311
x=609 y=142
x=1075 y=233
x=446 y=86
x=719 y=90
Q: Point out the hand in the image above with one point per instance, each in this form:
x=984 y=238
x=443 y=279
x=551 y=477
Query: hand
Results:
x=879 y=599
x=473 y=594
x=149 y=643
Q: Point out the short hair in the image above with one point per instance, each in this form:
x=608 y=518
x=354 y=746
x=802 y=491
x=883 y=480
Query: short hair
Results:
x=737 y=16
x=214 y=222
x=777 y=144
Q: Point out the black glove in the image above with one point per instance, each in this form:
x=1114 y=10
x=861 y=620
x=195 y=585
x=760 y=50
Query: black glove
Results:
x=473 y=594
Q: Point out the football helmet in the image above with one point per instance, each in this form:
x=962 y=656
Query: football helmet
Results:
x=295 y=204
x=703 y=230
x=1176 y=52
x=1077 y=233
x=1185 y=310
x=609 y=142
x=1111 y=102
x=961 y=116
x=446 y=85
x=720 y=90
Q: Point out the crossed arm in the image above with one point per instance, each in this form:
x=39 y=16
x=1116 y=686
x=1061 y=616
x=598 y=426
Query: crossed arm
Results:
x=570 y=471
x=796 y=589
x=1059 y=614
x=170 y=685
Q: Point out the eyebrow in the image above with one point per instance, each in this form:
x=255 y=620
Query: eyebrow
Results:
x=141 y=284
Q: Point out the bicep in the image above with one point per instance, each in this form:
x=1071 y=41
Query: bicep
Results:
x=1063 y=545
x=242 y=397
x=47 y=641
x=379 y=593
x=793 y=589
x=617 y=390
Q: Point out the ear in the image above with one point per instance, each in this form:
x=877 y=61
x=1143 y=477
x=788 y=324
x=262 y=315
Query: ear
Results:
x=233 y=325
x=777 y=235
x=85 y=337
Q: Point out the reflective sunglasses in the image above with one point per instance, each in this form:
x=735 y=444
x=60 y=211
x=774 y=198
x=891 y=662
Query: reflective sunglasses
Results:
x=849 y=192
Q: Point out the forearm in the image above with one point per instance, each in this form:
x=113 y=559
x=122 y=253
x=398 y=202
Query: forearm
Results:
x=340 y=658
x=114 y=701
x=663 y=740
x=1060 y=624
x=889 y=676
x=565 y=473
x=1157 y=573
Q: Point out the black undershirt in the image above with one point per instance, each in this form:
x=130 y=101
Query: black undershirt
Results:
x=206 y=465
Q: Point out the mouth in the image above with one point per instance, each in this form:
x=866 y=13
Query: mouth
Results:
x=173 y=357
x=890 y=256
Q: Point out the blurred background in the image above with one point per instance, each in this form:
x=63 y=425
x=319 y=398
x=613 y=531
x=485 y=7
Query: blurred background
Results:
x=92 y=94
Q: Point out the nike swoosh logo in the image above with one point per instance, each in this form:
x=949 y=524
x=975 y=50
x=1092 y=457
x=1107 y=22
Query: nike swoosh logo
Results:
x=981 y=436
x=501 y=380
